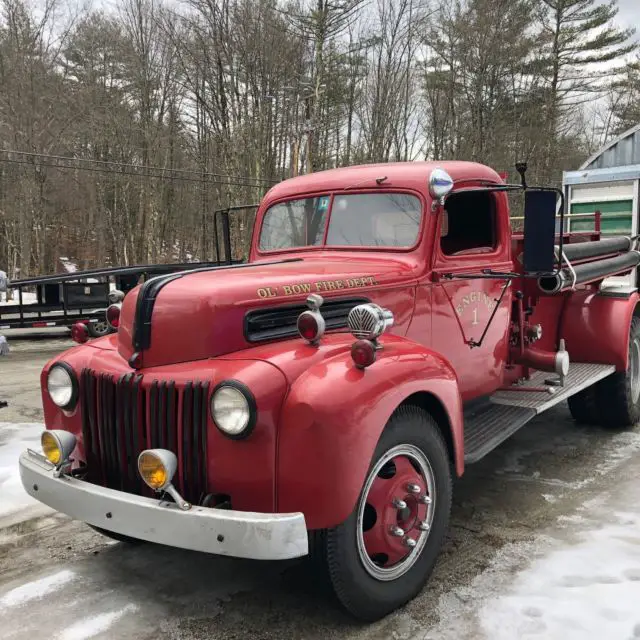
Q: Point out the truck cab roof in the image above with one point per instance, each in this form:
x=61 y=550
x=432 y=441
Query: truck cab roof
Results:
x=399 y=175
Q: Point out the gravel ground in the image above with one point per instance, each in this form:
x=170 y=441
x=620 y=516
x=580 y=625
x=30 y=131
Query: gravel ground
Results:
x=539 y=492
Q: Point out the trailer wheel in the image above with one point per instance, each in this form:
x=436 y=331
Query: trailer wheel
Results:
x=618 y=395
x=98 y=329
x=117 y=536
x=383 y=554
x=584 y=406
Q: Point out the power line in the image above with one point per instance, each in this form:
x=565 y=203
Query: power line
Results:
x=67 y=162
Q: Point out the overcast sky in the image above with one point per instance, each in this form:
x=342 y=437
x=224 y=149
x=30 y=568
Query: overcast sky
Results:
x=629 y=15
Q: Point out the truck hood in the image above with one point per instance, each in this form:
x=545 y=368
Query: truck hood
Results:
x=201 y=314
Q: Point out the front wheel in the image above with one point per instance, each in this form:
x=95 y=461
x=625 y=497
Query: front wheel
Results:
x=383 y=554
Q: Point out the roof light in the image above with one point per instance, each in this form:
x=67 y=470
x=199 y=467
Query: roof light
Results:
x=440 y=184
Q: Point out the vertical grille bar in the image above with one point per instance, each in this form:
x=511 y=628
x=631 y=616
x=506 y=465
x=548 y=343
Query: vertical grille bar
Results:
x=195 y=439
x=172 y=418
x=86 y=428
x=187 y=409
x=112 y=436
x=105 y=444
x=153 y=401
x=92 y=399
x=128 y=428
x=161 y=415
x=138 y=431
x=203 y=437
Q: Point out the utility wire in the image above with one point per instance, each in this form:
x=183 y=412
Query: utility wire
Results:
x=140 y=170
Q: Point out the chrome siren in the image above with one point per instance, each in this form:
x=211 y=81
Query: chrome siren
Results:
x=369 y=321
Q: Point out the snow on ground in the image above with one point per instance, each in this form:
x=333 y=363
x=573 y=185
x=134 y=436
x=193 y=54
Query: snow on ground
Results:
x=35 y=590
x=94 y=625
x=15 y=504
x=588 y=588
x=68 y=265
x=577 y=581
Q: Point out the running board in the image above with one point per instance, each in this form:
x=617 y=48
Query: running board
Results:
x=488 y=425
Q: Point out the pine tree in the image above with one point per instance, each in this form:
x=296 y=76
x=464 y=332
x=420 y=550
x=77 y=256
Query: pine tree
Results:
x=583 y=51
x=626 y=108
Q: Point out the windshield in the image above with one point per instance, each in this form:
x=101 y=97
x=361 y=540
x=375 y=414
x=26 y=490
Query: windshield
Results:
x=355 y=220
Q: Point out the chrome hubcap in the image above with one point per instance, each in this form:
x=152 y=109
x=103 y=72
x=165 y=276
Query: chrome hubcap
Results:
x=395 y=512
x=634 y=369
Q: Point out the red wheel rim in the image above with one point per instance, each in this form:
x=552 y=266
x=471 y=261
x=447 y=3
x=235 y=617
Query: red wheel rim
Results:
x=396 y=512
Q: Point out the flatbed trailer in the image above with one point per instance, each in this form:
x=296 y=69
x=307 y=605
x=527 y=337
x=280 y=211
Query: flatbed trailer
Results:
x=82 y=296
x=63 y=299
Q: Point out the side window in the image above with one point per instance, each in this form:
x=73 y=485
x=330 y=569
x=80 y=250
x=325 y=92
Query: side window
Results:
x=469 y=224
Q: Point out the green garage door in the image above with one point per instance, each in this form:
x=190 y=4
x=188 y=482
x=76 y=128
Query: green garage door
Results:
x=615 y=221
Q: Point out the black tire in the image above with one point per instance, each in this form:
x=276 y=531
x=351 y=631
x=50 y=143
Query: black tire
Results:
x=99 y=329
x=117 y=536
x=584 y=407
x=363 y=595
x=618 y=395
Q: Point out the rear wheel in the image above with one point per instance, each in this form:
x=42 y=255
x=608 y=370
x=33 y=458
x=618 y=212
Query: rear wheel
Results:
x=583 y=406
x=618 y=395
x=383 y=554
x=98 y=329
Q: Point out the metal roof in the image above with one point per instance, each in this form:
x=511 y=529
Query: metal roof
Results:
x=621 y=152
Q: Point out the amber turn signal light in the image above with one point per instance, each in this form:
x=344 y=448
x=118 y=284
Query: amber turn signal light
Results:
x=57 y=445
x=157 y=467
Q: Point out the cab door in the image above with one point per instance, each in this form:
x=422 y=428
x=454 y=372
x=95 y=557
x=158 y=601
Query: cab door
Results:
x=473 y=235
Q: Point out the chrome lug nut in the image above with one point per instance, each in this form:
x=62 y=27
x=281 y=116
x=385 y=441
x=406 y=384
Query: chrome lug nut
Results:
x=413 y=488
x=409 y=542
x=399 y=504
x=425 y=499
x=424 y=526
x=398 y=532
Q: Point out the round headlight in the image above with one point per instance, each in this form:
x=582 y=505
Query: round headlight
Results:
x=233 y=409
x=62 y=386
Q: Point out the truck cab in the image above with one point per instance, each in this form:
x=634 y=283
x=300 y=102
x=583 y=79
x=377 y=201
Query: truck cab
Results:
x=387 y=330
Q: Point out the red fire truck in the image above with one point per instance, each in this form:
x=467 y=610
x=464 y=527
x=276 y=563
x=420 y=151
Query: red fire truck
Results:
x=388 y=330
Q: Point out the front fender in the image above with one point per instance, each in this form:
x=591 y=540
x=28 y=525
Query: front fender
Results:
x=596 y=328
x=333 y=417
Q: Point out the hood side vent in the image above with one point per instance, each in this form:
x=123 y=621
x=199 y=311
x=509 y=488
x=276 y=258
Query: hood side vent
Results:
x=280 y=322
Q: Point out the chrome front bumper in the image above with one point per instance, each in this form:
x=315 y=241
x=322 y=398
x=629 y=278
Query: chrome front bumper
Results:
x=242 y=534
